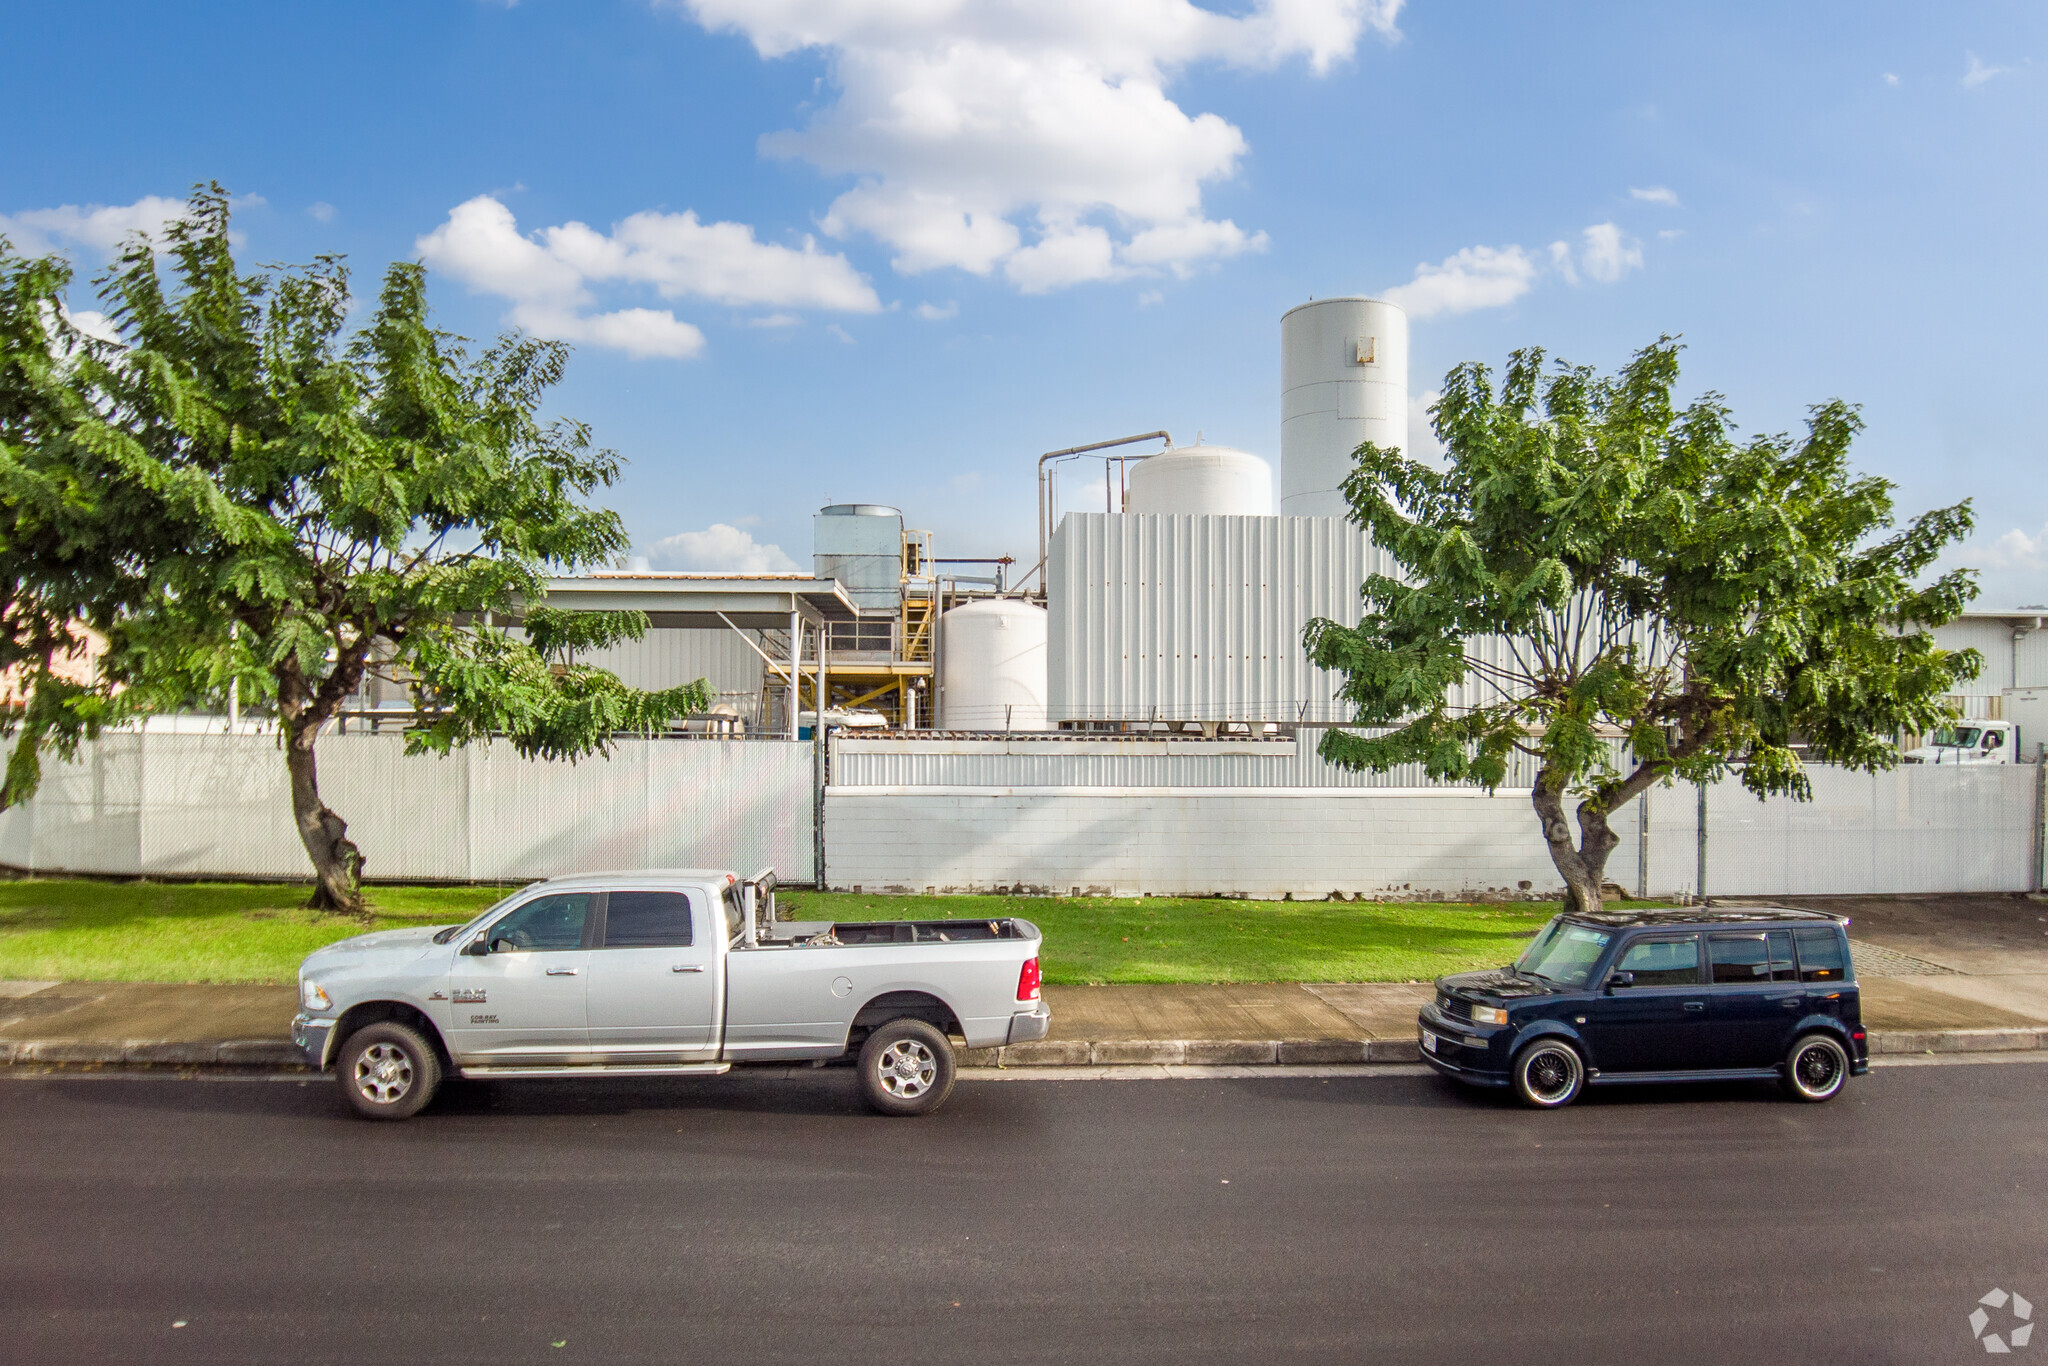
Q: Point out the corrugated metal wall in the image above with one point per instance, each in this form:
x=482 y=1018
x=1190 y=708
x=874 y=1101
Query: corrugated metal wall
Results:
x=217 y=805
x=1184 y=618
x=668 y=657
x=1106 y=761
x=1198 y=618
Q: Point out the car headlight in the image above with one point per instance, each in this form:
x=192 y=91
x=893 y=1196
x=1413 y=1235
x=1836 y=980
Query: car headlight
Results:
x=1489 y=1015
x=312 y=996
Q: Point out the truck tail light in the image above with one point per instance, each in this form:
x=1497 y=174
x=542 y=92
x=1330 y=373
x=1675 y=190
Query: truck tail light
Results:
x=1027 y=980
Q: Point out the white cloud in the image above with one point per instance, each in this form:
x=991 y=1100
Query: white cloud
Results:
x=963 y=122
x=933 y=313
x=1493 y=277
x=548 y=276
x=1671 y=234
x=1656 y=194
x=835 y=330
x=1477 y=277
x=320 y=211
x=1609 y=253
x=2016 y=550
x=1976 y=73
x=1150 y=297
x=1891 y=78
x=719 y=548
x=101 y=227
x=776 y=320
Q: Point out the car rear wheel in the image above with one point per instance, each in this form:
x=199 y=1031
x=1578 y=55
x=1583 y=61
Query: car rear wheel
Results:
x=1816 y=1068
x=1549 y=1074
x=388 y=1070
x=906 y=1068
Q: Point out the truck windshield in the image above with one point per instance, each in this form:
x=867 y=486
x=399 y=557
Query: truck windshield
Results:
x=1564 y=953
x=1957 y=737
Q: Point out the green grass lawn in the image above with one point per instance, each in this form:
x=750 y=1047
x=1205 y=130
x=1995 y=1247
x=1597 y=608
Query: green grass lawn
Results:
x=1188 y=939
x=252 y=932
x=76 y=930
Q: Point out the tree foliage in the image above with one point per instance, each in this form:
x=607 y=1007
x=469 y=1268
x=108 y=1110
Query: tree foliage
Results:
x=244 y=493
x=1629 y=592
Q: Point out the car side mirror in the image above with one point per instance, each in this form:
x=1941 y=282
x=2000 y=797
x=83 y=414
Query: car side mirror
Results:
x=479 y=946
x=1620 y=979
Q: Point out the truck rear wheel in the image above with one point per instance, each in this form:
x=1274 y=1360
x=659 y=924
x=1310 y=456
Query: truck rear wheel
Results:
x=388 y=1070
x=906 y=1068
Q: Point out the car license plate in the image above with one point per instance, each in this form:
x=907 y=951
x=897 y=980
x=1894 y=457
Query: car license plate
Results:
x=1430 y=1041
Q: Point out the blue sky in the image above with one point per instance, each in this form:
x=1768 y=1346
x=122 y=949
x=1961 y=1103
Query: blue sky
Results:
x=889 y=250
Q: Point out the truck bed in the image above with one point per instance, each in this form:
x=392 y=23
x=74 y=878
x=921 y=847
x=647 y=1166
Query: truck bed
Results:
x=853 y=932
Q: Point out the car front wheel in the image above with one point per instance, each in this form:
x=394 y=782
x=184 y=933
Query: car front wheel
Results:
x=388 y=1070
x=1816 y=1068
x=1549 y=1074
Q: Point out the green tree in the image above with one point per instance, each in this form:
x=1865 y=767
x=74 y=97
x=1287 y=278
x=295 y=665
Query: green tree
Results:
x=322 y=506
x=1628 y=593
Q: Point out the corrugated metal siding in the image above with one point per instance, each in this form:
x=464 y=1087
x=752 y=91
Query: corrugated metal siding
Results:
x=668 y=657
x=1198 y=618
x=1185 y=618
x=1110 y=762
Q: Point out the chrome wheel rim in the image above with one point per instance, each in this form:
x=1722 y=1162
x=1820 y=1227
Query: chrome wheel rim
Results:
x=907 y=1069
x=1551 y=1074
x=384 y=1073
x=1817 y=1070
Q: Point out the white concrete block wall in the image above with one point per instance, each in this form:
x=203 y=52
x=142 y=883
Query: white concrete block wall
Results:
x=1253 y=842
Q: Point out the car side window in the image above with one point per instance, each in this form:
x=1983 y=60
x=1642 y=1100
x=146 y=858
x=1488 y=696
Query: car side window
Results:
x=1780 y=944
x=1821 y=956
x=1662 y=962
x=1738 y=959
x=547 y=922
x=647 y=920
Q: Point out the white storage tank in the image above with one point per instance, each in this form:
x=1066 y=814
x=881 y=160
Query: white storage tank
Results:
x=1343 y=381
x=1202 y=480
x=992 y=666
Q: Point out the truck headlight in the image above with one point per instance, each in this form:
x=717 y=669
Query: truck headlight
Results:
x=1489 y=1015
x=312 y=996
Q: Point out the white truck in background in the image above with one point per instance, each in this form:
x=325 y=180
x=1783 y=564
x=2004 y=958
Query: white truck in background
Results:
x=1971 y=742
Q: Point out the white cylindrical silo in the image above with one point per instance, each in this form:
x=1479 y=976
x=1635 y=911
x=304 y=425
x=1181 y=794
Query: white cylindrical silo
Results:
x=1343 y=381
x=1202 y=479
x=992 y=666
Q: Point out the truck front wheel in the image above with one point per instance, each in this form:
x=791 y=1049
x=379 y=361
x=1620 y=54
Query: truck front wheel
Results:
x=388 y=1070
x=906 y=1068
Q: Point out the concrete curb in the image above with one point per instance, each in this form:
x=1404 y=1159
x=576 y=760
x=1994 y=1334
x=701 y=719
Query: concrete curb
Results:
x=279 y=1055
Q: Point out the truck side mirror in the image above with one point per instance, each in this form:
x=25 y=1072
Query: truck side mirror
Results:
x=1620 y=979
x=479 y=946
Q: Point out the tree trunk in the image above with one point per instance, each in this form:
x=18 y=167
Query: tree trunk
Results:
x=337 y=863
x=1583 y=866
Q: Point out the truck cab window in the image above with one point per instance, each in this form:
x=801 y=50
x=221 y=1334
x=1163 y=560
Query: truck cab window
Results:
x=646 y=920
x=548 y=922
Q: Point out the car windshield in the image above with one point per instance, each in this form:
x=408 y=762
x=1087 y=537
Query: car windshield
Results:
x=449 y=935
x=1957 y=737
x=1564 y=953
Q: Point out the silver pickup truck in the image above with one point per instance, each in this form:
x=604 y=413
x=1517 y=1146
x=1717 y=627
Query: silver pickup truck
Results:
x=663 y=972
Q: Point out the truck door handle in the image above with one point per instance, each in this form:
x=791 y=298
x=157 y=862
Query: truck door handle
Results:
x=561 y=972
x=687 y=967
x=1695 y=1005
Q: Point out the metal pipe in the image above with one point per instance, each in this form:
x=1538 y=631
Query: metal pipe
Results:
x=796 y=660
x=1700 y=890
x=1045 y=531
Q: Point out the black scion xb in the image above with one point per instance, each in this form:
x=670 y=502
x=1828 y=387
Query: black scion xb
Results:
x=1610 y=997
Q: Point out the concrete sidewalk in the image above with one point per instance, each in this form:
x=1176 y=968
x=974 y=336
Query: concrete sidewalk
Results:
x=167 y=1025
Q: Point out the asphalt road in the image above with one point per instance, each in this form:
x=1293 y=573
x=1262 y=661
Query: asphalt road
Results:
x=1269 y=1220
